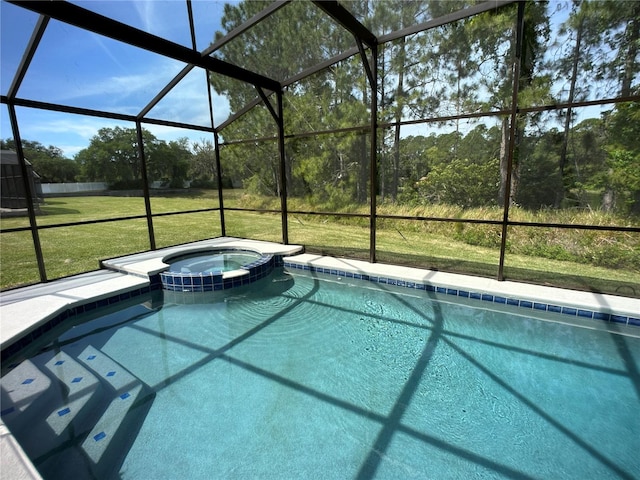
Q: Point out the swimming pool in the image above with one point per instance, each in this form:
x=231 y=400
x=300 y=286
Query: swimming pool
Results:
x=303 y=375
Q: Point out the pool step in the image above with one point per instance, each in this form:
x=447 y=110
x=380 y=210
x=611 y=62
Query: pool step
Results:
x=81 y=385
x=108 y=438
x=104 y=440
x=107 y=370
x=21 y=389
x=71 y=396
x=73 y=412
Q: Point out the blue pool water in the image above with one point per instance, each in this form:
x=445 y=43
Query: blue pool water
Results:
x=304 y=376
x=214 y=261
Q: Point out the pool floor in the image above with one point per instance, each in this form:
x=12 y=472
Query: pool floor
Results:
x=304 y=376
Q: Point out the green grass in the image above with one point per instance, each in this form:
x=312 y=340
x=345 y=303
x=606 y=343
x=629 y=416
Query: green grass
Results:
x=71 y=250
x=545 y=256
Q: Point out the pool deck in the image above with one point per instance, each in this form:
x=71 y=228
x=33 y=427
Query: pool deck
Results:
x=25 y=309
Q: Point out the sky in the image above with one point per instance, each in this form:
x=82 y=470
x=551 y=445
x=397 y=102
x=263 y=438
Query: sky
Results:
x=82 y=69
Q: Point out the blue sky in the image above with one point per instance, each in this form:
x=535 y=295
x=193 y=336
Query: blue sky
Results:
x=82 y=69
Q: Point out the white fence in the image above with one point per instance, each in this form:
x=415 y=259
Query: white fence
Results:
x=59 y=188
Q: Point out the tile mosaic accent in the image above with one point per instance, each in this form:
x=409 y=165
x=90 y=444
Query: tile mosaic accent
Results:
x=480 y=296
x=64 y=411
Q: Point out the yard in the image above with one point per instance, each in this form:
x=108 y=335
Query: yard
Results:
x=540 y=255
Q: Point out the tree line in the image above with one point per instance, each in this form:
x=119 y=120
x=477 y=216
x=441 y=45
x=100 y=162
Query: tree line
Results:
x=112 y=157
x=448 y=168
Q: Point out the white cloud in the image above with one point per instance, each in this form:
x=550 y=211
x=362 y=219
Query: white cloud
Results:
x=188 y=102
x=146 y=12
x=70 y=151
x=101 y=44
x=70 y=133
x=109 y=91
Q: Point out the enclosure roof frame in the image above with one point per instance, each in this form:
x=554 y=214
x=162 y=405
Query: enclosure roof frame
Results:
x=80 y=17
x=347 y=20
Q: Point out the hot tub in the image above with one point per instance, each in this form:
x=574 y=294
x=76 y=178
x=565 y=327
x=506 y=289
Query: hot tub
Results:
x=219 y=269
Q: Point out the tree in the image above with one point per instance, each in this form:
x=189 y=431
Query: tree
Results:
x=112 y=157
x=492 y=38
x=202 y=167
x=279 y=47
x=401 y=72
x=169 y=162
x=461 y=182
x=570 y=65
x=623 y=157
x=540 y=179
x=622 y=38
x=598 y=46
x=48 y=162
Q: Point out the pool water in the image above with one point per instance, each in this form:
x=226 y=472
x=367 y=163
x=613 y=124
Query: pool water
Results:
x=303 y=376
x=210 y=262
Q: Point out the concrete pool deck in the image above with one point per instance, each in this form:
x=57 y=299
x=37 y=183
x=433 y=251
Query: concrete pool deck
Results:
x=25 y=309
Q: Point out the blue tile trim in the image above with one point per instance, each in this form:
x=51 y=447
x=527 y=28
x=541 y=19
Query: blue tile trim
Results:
x=486 y=297
x=64 y=411
x=7 y=411
x=71 y=312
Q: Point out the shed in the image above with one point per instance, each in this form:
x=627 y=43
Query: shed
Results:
x=12 y=188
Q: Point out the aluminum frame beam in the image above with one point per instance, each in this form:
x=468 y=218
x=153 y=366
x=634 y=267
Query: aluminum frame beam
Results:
x=239 y=30
x=445 y=19
x=94 y=22
x=30 y=51
x=348 y=21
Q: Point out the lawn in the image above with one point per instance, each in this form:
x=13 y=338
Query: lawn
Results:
x=71 y=250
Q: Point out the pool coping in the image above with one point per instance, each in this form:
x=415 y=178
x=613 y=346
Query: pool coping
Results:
x=621 y=311
x=151 y=263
